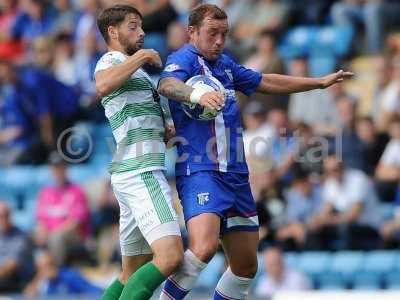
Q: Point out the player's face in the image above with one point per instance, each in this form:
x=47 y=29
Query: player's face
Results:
x=210 y=37
x=130 y=34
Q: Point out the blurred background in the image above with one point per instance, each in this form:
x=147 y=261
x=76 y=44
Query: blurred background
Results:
x=325 y=165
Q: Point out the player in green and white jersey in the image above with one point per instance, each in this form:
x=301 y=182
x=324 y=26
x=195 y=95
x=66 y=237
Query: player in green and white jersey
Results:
x=150 y=239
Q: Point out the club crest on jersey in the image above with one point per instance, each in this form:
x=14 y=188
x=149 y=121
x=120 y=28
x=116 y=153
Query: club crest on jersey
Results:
x=202 y=198
x=229 y=73
x=172 y=67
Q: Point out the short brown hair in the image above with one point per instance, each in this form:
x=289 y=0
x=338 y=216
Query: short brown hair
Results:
x=199 y=13
x=114 y=16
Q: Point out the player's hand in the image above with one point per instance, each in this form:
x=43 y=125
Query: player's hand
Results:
x=213 y=100
x=333 y=78
x=169 y=134
x=151 y=57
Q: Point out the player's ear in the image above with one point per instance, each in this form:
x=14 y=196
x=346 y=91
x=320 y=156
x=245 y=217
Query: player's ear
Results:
x=191 y=29
x=112 y=32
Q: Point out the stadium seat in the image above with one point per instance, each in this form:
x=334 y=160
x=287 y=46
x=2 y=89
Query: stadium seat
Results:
x=379 y=262
x=314 y=263
x=322 y=65
x=331 y=281
x=292 y=260
x=297 y=41
x=367 y=281
x=332 y=41
x=347 y=263
x=392 y=280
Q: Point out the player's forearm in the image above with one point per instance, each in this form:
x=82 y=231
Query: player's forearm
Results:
x=283 y=84
x=173 y=88
x=113 y=78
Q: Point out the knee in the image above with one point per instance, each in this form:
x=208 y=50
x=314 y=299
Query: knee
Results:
x=205 y=251
x=246 y=270
x=169 y=260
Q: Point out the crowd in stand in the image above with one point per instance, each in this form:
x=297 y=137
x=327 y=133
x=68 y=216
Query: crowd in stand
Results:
x=319 y=170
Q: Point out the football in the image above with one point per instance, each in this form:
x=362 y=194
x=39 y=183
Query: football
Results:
x=196 y=111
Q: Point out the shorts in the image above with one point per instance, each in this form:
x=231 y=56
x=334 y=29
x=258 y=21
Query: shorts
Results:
x=226 y=194
x=146 y=210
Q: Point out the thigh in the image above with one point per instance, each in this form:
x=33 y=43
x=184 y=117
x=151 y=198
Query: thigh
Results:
x=242 y=259
x=204 y=192
x=204 y=232
x=149 y=198
x=242 y=216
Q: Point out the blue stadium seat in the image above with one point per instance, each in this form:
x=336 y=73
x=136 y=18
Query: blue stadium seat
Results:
x=367 y=281
x=210 y=275
x=380 y=261
x=314 y=263
x=347 y=263
x=392 y=280
x=297 y=41
x=331 y=281
x=292 y=260
x=322 y=65
x=332 y=41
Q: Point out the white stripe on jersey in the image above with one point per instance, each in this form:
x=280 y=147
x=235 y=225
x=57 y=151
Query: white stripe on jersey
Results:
x=220 y=130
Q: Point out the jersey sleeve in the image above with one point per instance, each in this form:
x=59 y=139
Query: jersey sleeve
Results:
x=178 y=66
x=108 y=60
x=245 y=80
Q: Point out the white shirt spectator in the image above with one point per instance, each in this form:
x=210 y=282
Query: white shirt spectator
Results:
x=355 y=187
x=292 y=281
x=391 y=155
x=257 y=143
x=313 y=108
x=390 y=97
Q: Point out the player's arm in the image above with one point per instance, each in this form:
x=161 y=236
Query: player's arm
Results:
x=173 y=88
x=283 y=84
x=110 y=79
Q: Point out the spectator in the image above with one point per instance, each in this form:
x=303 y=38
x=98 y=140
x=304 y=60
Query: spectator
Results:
x=66 y=18
x=64 y=60
x=284 y=146
x=177 y=36
x=373 y=143
x=255 y=18
x=18 y=124
x=87 y=19
x=311 y=149
x=384 y=70
x=9 y=49
x=303 y=202
x=388 y=101
x=15 y=256
x=266 y=58
x=373 y=15
x=62 y=213
x=315 y=108
x=346 y=136
x=278 y=277
x=390 y=230
x=258 y=134
x=388 y=170
x=349 y=212
x=51 y=108
x=36 y=19
x=52 y=280
x=43 y=53
x=105 y=226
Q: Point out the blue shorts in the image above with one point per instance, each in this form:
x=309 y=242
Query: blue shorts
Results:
x=226 y=194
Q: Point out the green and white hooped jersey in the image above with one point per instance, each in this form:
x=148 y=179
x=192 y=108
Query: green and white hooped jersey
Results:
x=136 y=120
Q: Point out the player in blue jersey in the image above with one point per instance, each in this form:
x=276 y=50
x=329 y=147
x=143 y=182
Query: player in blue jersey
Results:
x=212 y=175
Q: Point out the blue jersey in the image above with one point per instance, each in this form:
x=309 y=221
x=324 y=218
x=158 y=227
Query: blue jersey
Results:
x=215 y=145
